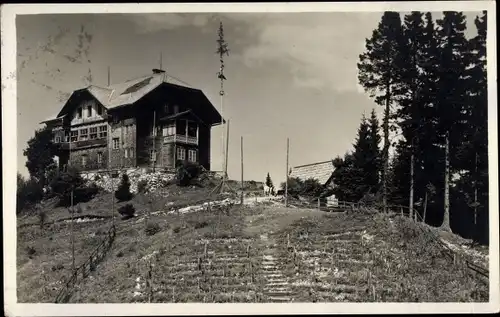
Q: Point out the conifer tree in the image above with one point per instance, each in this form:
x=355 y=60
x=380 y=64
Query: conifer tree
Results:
x=360 y=174
x=374 y=164
x=378 y=74
x=452 y=88
x=269 y=182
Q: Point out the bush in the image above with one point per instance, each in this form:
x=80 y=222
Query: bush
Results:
x=31 y=251
x=85 y=193
x=63 y=183
x=187 y=173
x=127 y=211
x=123 y=192
x=142 y=186
x=75 y=209
x=199 y=225
x=152 y=228
x=29 y=192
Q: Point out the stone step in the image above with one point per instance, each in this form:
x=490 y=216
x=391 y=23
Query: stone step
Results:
x=277 y=283
x=271 y=273
x=268 y=288
x=265 y=270
x=278 y=299
x=277 y=293
x=271 y=255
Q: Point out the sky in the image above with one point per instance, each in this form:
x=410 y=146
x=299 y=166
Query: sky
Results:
x=289 y=75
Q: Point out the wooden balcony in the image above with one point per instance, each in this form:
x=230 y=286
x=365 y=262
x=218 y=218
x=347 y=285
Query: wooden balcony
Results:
x=179 y=138
x=82 y=144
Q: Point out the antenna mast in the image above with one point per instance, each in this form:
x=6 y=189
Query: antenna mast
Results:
x=222 y=49
x=109 y=76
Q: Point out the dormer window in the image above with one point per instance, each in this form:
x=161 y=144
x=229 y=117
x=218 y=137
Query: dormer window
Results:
x=89 y=111
x=79 y=113
x=99 y=110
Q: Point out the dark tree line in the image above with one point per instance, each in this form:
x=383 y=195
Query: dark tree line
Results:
x=430 y=80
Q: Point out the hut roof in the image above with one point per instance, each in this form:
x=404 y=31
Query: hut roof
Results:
x=321 y=171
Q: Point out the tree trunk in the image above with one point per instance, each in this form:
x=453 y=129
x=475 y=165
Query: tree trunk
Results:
x=425 y=206
x=411 y=183
x=475 y=198
x=386 y=147
x=446 y=219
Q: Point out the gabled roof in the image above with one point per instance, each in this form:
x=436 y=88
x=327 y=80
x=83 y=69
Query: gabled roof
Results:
x=322 y=171
x=131 y=91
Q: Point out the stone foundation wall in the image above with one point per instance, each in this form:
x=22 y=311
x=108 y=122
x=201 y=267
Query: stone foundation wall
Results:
x=92 y=160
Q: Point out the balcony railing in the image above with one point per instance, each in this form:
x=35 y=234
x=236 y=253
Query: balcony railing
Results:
x=83 y=144
x=180 y=138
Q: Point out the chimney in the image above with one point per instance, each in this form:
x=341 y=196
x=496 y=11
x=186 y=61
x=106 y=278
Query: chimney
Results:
x=158 y=71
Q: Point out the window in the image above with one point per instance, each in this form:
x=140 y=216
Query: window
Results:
x=116 y=143
x=129 y=153
x=89 y=111
x=152 y=155
x=84 y=160
x=103 y=131
x=192 y=129
x=176 y=109
x=84 y=134
x=74 y=136
x=181 y=153
x=93 y=133
x=192 y=155
x=57 y=139
x=181 y=127
x=99 y=157
x=99 y=110
x=125 y=153
x=165 y=108
x=169 y=130
x=79 y=113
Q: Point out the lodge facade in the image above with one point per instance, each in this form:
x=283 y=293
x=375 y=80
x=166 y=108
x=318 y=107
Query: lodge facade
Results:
x=152 y=121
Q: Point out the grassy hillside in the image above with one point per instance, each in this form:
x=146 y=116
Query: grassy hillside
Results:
x=258 y=253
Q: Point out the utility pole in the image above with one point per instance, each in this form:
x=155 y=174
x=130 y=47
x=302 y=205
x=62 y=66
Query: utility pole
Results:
x=154 y=140
x=72 y=213
x=286 y=175
x=242 y=187
x=111 y=176
x=109 y=76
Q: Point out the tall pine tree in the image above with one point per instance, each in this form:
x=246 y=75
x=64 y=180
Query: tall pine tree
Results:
x=378 y=74
x=472 y=154
x=374 y=162
x=452 y=88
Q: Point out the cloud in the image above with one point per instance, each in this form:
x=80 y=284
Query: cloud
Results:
x=154 y=22
x=319 y=49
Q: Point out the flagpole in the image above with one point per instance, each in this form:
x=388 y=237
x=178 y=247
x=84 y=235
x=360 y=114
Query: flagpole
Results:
x=222 y=50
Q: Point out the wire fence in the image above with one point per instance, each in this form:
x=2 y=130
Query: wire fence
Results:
x=88 y=266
